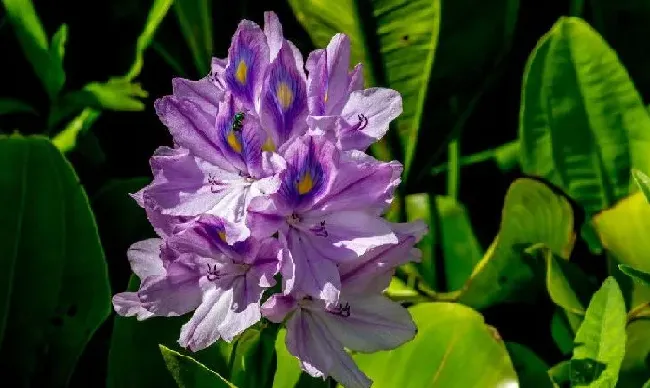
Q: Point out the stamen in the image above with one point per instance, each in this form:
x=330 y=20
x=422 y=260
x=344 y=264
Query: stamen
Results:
x=213 y=273
x=363 y=122
x=320 y=230
x=214 y=184
x=341 y=310
x=293 y=219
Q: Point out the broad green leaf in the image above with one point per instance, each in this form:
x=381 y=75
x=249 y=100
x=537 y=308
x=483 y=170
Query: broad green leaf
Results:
x=156 y=15
x=533 y=216
x=190 y=373
x=54 y=290
x=583 y=126
x=253 y=359
x=195 y=20
x=34 y=42
x=11 y=105
x=134 y=358
x=287 y=371
x=453 y=348
x=600 y=340
x=643 y=181
x=395 y=40
x=532 y=371
x=624 y=231
x=638 y=275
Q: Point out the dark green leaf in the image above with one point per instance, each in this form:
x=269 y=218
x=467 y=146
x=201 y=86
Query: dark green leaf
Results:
x=583 y=125
x=600 y=340
x=10 y=106
x=134 y=358
x=34 y=42
x=194 y=18
x=451 y=337
x=59 y=39
x=561 y=332
x=531 y=370
x=533 y=216
x=190 y=373
x=54 y=285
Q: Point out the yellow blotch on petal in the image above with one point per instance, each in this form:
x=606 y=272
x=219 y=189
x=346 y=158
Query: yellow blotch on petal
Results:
x=305 y=184
x=241 y=72
x=222 y=236
x=285 y=95
x=234 y=142
x=325 y=99
x=268 y=145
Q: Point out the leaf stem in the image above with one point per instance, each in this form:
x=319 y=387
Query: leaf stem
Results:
x=453 y=174
x=637 y=312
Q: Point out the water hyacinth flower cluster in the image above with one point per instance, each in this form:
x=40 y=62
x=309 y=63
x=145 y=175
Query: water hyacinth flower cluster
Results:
x=267 y=206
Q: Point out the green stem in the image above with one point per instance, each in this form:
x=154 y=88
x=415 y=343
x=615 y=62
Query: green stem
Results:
x=453 y=175
x=464 y=161
x=637 y=312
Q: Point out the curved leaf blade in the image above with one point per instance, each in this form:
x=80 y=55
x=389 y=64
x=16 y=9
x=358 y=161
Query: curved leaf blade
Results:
x=450 y=337
x=533 y=217
x=636 y=274
x=583 y=125
x=55 y=292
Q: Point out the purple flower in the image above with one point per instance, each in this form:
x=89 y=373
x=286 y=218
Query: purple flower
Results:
x=216 y=169
x=326 y=212
x=337 y=102
x=363 y=320
x=168 y=282
x=234 y=277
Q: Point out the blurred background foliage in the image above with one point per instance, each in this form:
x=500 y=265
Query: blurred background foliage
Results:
x=480 y=112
